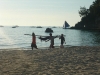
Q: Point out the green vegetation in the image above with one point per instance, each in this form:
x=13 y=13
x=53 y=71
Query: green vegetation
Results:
x=90 y=18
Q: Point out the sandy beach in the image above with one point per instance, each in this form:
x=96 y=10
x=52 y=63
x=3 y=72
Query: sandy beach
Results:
x=77 y=60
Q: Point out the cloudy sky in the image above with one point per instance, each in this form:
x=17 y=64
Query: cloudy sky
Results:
x=41 y=12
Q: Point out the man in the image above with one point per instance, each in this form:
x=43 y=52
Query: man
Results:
x=62 y=41
x=51 y=41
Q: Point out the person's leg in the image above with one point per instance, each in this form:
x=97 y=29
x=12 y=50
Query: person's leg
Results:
x=35 y=46
x=53 y=45
x=32 y=48
x=61 y=46
x=50 y=45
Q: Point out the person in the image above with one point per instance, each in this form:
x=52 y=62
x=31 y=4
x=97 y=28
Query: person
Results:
x=47 y=38
x=62 y=41
x=51 y=41
x=33 y=44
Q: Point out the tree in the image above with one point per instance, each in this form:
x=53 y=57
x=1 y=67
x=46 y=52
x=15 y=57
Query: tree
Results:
x=83 y=12
x=89 y=16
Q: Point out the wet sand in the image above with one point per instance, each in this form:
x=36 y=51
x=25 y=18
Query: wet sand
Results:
x=82 y=60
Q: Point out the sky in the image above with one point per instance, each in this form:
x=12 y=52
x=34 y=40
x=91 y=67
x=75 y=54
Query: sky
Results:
x=41 y=12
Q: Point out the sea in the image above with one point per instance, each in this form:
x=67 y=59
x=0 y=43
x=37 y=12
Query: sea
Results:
x=17 y=38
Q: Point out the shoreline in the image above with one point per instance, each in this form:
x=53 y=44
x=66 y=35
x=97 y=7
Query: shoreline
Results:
x=41 y=48
x=75 y=60
x=23 y=48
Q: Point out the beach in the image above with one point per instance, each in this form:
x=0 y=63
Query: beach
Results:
x=75 y=60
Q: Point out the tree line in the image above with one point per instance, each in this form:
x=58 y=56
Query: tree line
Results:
x=90 y=18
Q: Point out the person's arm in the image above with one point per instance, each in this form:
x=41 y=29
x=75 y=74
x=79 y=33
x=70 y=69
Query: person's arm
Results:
x=36 y=35
x=55 y=36
x=64 y=40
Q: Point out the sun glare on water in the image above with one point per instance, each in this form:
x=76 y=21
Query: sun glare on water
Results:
x=4 y=38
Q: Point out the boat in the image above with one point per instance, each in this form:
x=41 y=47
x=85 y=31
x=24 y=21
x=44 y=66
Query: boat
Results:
x=38 y=27
x=15 y=26
x=32 y=26
x=1 y=26
x=66 y=25
x=54 y=27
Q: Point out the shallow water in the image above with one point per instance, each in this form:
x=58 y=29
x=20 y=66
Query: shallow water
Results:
x=15 y=38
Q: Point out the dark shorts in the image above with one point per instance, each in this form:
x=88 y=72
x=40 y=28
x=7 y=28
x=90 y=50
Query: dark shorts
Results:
x=62 y=42
x=33 y=45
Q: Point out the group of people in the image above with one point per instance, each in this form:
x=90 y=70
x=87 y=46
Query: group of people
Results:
x=47 y=38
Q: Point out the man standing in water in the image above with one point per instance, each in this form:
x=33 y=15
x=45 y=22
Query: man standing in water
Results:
x=47 y=38
x=51 y=41
x=62 y=40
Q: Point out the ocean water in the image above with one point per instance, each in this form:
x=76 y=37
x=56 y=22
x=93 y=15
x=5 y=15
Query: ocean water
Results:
x=15 y=38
